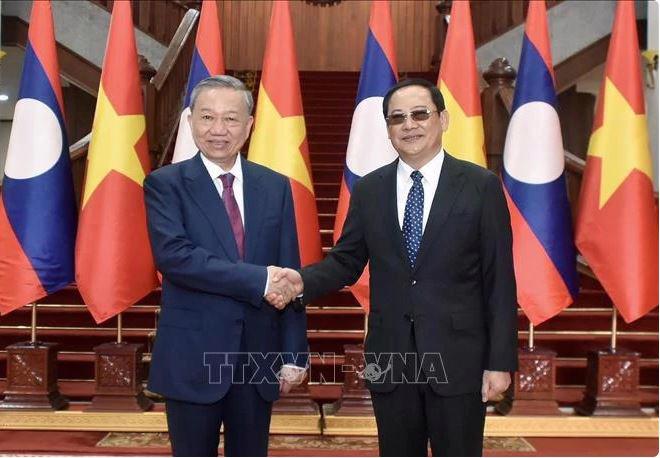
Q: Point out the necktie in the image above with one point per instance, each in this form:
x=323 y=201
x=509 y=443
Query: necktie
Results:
x=412 y=217
x=233 y=211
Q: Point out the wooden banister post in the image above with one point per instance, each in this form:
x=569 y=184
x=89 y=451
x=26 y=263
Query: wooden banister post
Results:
x=149 y=94
x=443 y=7
x=496 y=101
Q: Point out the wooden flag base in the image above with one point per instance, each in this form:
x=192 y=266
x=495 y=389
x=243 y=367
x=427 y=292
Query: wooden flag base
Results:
x=296 y=402
x=612 y=386
x=355 y=399
x=118 y=384
x=32 y=378
x=533 y=388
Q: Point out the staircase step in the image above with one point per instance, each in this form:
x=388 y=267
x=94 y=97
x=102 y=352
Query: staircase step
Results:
x=326 y=204
x=327 y=175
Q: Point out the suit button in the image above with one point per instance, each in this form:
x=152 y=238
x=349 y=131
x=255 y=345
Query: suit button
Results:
x=409 y=317
x=413 y=283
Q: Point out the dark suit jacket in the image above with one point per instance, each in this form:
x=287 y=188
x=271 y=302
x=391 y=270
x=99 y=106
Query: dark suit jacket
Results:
x=461 y=296
x=212 y=303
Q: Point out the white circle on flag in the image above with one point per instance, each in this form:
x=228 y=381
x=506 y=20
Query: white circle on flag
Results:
x=35 y=142
x=185 y=147
x=369 y=147
x=533 y=152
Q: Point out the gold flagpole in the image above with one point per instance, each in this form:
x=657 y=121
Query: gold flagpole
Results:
x=33 y=327
x=119 y=328
x=614 y=323
x=530 y=341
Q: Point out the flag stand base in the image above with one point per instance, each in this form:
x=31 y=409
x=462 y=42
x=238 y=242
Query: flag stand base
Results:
x=612 y=386
x=118 y=379
x=296 y=402
x=355 y=400
x=533 y=388
x=32 y=378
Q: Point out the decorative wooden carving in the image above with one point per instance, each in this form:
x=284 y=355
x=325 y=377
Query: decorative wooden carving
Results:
x=612 y=386
x=32 y=378
x=118 y=384
x=355 y=400
x=533 y=389
x=496 y=100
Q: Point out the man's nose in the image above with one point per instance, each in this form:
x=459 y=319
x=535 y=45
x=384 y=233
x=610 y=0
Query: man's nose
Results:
x=218 y=127
x=408 y=123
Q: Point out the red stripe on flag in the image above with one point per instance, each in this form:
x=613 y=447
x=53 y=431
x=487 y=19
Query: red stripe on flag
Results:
x=19 y=283
x=380 y=24
x=41 y=36
x=536 y=29
x=541 y=290
x=209 y=38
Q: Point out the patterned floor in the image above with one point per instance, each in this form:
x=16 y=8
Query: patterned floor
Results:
x=290 y=442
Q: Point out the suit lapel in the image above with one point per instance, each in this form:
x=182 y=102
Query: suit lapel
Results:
x=388 y=176
x=254 y=203
x=449 y=185
x=205 y=194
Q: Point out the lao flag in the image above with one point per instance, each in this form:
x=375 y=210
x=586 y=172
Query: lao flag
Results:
x=369 y=146
x=207 y=61
x=534 y=183
x=37 y=209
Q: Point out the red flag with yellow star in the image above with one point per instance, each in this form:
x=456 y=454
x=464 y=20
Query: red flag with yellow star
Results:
x=617 y=224
x=114 y=264
x=279 y=140
x=459 y=83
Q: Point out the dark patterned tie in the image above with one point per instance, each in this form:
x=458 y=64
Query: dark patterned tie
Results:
x=233 y=212
x=413 y=216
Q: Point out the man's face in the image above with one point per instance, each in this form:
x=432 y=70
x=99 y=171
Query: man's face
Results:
x=417 y=142
x=220 y=124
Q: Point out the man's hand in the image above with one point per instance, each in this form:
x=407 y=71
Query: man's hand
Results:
x=291 y=376
x=494 y=384
x=287 y=285
x=279 y=291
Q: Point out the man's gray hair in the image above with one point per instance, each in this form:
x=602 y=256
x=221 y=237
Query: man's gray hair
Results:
x=218 y=81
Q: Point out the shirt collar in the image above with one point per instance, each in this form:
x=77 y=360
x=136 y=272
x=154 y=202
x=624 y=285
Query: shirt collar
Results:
x=215 y=170
x=430 y=171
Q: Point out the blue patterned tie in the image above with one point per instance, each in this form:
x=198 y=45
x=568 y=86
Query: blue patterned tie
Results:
x=412 y=217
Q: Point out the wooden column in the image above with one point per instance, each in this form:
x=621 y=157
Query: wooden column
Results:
x=443 y=7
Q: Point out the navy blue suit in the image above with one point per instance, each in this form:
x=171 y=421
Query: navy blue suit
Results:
x=212 y=302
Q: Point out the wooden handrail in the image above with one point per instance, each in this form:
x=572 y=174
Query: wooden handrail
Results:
x=174 y=49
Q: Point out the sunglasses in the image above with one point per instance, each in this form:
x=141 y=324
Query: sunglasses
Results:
x=418 y=115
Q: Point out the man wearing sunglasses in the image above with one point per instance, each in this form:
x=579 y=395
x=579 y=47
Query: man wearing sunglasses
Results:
x=435 y=230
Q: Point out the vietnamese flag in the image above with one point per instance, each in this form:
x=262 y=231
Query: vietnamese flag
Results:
x=114 y=264
x=617 y=223
x=459 y=83
x=279 y=141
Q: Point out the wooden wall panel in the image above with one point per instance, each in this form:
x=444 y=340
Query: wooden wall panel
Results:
x=327 y=38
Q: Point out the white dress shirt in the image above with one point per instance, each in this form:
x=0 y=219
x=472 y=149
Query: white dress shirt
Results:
x=430 y=177
x=237 y=170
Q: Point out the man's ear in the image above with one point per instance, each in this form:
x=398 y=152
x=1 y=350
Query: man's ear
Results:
x=444 y=120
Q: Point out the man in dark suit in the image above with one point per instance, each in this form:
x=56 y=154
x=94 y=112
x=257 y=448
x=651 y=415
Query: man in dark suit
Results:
x=442 y=333
x=216 y=222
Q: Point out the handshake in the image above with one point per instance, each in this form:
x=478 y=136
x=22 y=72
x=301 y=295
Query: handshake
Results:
x=284 y=285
